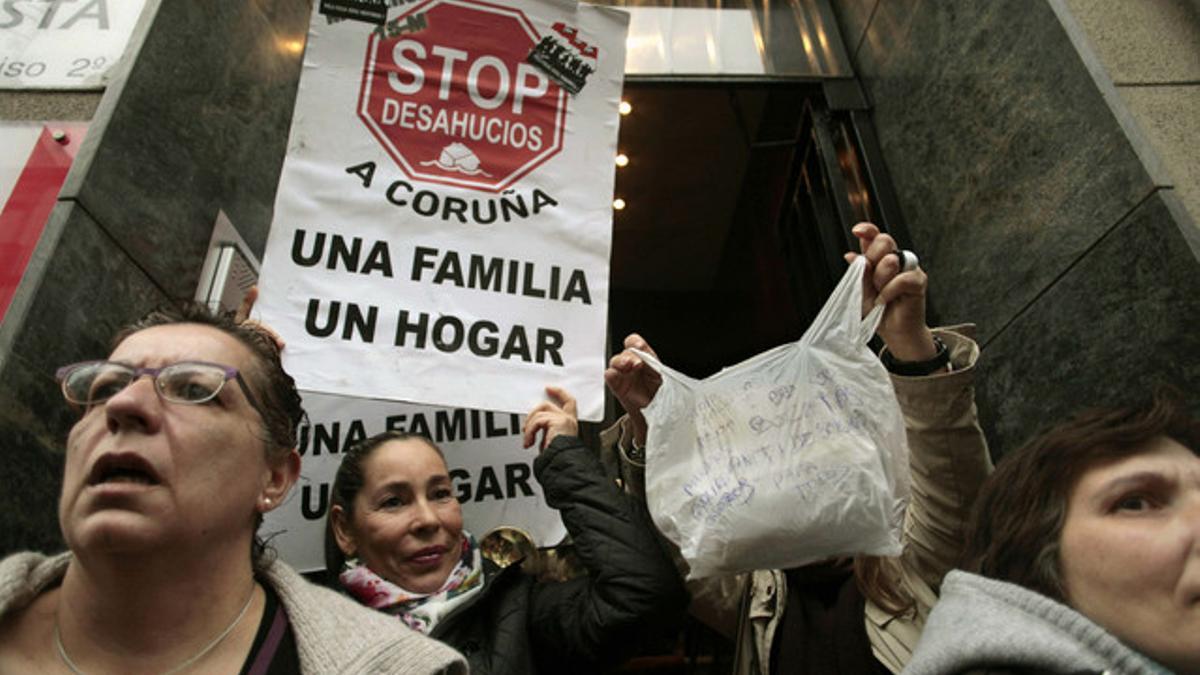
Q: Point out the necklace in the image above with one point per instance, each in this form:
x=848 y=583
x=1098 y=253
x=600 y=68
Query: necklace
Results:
x=62 y=650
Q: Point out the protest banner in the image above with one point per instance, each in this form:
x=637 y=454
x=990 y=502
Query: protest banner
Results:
x=443 y=221
x=491 y=473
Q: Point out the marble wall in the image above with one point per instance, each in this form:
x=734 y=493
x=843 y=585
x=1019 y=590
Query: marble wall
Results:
x=198 y=122
x=1039 y=210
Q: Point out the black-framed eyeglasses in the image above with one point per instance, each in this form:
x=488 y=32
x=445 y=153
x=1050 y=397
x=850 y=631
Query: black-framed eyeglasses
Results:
x=91 y=383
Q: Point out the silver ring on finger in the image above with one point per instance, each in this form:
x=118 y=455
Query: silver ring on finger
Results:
x=908 y=260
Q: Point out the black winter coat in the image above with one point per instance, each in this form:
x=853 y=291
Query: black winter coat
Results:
x=518 y=625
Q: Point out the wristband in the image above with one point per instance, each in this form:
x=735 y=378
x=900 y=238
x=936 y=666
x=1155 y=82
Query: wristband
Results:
x=918 y=368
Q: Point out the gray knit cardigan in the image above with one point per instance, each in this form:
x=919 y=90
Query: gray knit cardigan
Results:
x=983 y=625
x=333 y=633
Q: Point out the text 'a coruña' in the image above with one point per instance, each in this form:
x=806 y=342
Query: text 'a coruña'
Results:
x=446 y=268
x=504 y=208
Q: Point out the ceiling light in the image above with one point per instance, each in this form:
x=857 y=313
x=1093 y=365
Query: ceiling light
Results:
x=624 y=108
x=292 y=46
x=622 y=160
x=618 y=203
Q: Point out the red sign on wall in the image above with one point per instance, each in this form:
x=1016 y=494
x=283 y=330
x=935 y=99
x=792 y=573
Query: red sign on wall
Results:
x=458 y=102
x=33 y=194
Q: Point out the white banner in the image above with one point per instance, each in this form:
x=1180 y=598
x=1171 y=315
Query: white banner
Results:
x=63 y=44
x=492 y=474
x=444 y=216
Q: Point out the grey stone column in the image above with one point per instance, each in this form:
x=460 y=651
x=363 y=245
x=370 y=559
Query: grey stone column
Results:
x=197 y=120
x=1037 y=205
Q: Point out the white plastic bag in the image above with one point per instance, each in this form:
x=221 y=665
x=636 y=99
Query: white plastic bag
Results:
x=793 y=456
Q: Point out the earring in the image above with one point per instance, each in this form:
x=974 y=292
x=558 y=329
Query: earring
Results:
x=350 y=563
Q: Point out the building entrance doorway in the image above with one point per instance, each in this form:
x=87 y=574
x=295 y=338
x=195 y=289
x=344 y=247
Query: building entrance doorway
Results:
x=738 y=199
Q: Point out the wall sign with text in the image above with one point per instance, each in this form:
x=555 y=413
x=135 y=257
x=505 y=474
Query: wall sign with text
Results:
x=63 y=44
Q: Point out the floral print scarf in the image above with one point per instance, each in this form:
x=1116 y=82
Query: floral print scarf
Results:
x=421 y=611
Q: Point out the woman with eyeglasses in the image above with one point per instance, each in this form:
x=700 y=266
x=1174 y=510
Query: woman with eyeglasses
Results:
x=186 y=438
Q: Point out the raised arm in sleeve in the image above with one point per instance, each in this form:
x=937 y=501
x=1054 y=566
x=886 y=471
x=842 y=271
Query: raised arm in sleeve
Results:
x=632 y=588
x=948 y=457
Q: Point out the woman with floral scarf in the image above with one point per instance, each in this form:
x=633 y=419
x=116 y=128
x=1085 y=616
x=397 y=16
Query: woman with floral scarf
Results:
x=395 y=542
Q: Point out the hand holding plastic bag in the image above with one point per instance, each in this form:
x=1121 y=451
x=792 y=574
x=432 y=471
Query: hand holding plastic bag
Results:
x=793 y=456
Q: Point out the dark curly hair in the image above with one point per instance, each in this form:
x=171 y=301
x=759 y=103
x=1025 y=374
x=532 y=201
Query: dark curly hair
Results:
x=272 y=386
x=275 y=390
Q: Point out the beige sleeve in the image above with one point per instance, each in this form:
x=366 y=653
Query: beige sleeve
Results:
x=949 y=458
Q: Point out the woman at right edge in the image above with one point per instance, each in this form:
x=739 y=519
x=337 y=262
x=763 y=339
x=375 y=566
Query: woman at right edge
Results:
x=863 y=615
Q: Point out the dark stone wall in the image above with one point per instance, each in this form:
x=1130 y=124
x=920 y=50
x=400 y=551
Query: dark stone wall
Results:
x=198 y=122
x=1119 y=321
x=1034 y=210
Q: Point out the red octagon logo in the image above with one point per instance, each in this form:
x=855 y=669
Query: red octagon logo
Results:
x=455 y=101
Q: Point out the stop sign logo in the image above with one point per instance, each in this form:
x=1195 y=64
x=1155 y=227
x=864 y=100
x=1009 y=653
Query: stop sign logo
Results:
x=457 y=101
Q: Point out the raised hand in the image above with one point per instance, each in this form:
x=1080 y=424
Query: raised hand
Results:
x=554 y=417
x=633 y=383
x=242 y=316
x=903 y=326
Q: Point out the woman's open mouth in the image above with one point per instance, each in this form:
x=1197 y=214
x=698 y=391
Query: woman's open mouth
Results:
x=123 y=468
